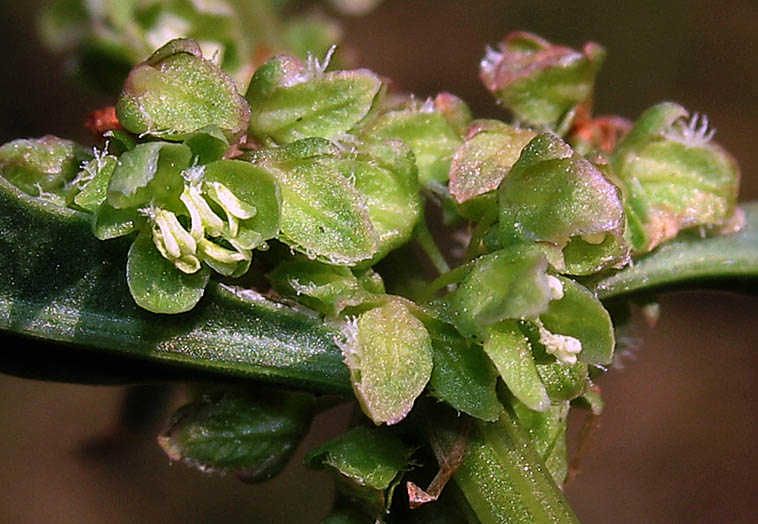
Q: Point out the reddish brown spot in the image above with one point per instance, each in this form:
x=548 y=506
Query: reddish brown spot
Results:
x=102 y=120
x=603 y=132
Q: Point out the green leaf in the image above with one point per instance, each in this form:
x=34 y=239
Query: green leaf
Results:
x=323 y=215
x=580 y=314
x=428 y=133
x=483 y=161
x=541 y=83
x=510 y=283
x=42 y=167
x=109 y=222
x=675 y=177
x=58 y=283
x=509 y=349
x=502 y=476
x=368 y=463
x=90 y=187
x=385 y=176
x=552 y=194
x=249 y=433
x=462 y=376
x=389 y=353
x=327 y=289
x=563 y=381
x=290 y=101
x=689 y=261
x=176 y=92
x=155 y=282
x=149 y=172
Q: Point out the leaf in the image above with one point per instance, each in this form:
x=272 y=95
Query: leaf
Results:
x=510 y=283
x=248 y=433
x=155 y=282
x=430 y=136
x=552 y=194
x=207 y=144
x=462 y=376
x=483 y=161
x=60 y=284
x=510 y=351
x=547 y=431
x=323 y=215
x=368 y=461
x=176 y=92
x=688 y=261
x=90 y=194
x=290 y=101
x=389 y=354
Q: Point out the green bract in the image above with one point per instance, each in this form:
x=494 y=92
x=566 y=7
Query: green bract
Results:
x=554 y=195
x=541 y=83
x=291 y=101
x=389 y=354
x=176 y=92
x=675 y=177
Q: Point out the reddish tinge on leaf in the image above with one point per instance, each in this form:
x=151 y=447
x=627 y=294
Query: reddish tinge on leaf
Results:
x=102 y=120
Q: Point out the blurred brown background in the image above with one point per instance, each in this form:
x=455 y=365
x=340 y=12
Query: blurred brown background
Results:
x=677 y=440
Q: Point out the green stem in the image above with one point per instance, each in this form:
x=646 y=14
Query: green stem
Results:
x=451 y=277
x=502 y=475
x=429 y=245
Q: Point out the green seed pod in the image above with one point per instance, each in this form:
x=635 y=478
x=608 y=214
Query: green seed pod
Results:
x=675 y=176
x=541 y=83
x=250 y=434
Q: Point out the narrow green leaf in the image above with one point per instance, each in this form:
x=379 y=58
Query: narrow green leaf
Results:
x=689 y=260
x=91 y=185
x=547 y=431
x=58 y=283
x=250 y=433
x=389 y=353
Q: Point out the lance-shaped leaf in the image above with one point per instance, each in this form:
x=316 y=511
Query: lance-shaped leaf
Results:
x=509 y=349
x=149 y=172
x=89 y=188
x=368 y=464
x=323 y=215
x=249 y=433
x=552 y=194
x=675 y=177
x=547 y=431
x=509 y=283
x=429 y=134
x=156 y=284
x=42 y=167
x=176 y=92
x=290 y=101
x=483 y=161
x=385 y=175
x=541 y=83
x=389 y=353
x=462 y=376
x=327 y=289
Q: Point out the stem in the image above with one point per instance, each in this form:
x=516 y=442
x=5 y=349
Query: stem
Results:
x=451 y=277
x=426 y=241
